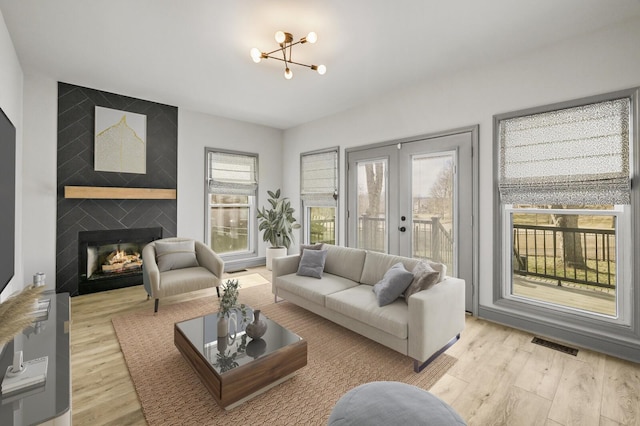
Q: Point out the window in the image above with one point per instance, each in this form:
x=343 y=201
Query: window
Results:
x=232 y=181
x=319 y=195
x=565 y=200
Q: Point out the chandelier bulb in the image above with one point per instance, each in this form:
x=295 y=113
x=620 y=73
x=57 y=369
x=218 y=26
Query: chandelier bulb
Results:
x=312 y=37
x=288 y=74
x=280 y=37
x=256 y=55
x=322 y=69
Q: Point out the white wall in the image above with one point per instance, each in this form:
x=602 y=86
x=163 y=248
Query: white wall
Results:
x=597 y=63
x=11 y=82
x=197 y=131
x=39 y=178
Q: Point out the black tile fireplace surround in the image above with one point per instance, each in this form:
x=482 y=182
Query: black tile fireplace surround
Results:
x=97 y=248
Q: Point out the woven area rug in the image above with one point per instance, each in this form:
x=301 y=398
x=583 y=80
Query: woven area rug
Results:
x=338 y=360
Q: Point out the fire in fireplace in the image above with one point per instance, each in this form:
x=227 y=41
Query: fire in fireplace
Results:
x=112 y=258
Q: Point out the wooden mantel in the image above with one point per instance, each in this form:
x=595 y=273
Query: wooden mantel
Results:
x=115 y=193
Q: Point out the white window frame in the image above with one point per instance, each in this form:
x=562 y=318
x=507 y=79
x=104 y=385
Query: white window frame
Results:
x=307 y=204
x=624 y=293
x=252 y=249
x=564 y=323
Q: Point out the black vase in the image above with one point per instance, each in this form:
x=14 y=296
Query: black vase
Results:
x=258 y=327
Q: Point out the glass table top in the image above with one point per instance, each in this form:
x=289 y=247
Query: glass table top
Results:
x=236 y=349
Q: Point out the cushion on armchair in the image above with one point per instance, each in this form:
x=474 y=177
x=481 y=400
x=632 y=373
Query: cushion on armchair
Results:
x=175 y=255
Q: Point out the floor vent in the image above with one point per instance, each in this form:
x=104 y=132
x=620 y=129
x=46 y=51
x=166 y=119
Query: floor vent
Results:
x=556 y=346
x=236 y=271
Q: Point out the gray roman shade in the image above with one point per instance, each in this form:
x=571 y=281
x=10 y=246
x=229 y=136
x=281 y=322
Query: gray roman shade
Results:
x=319 y=178
x=572 y=156
x=232 y=174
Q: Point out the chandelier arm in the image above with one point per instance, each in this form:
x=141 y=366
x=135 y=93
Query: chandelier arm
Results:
x=274 y=51
x=284 y=46
x=288 y=61
x=284 y=55
x=302 y=65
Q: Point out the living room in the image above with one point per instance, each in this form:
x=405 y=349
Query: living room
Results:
x=578 y=50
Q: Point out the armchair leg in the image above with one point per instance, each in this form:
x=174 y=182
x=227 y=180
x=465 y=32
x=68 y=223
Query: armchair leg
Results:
x=218 y=290
x=155 y=308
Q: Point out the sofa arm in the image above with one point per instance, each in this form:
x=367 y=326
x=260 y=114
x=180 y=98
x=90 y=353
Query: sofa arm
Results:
x=284 y=265
x=436 y=316
x=150 y=271
x=209 y=259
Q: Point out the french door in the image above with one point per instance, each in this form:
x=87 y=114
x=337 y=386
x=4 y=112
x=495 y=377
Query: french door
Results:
x=414 y=199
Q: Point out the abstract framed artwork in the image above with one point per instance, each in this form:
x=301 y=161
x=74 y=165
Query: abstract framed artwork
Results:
x=120 y=141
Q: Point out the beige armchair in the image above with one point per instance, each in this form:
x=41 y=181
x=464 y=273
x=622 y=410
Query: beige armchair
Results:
x=179 y=265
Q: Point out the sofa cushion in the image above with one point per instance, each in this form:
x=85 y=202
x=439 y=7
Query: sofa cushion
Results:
x=303 y=247
x=187 y=279
x=346 y=262
x=377 y=264
x=360 y=303
x=424 y=277
x=175 y=255
x=312 y=263
x=313 y=289
x=393 y=284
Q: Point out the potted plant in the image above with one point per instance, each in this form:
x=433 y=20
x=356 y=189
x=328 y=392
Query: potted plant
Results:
x=277 y=224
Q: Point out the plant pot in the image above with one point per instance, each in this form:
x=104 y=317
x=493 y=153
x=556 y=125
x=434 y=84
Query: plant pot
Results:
x=273 y=252
x=223 y=327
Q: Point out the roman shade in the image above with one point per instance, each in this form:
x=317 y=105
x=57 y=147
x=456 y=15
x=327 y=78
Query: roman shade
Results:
x=319 y=178
x=232 y=174
x=571 y=156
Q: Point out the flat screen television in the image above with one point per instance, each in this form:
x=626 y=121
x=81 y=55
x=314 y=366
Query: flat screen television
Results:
x=7 y=199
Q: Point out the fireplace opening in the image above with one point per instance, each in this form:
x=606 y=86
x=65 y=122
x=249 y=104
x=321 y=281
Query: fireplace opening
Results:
x=111 y=259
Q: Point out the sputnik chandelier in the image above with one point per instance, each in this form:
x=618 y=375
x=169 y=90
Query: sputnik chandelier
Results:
x=285 y=40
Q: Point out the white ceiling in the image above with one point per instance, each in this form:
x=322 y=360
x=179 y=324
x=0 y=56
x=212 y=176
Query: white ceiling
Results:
x=194 y=54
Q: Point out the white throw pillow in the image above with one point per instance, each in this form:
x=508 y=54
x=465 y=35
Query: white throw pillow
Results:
x=424 y=277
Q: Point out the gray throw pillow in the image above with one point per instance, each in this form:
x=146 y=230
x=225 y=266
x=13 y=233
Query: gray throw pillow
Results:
x=312 y=263
x=316 y=246
x=390 y=287
x=424 y=277
x=175 y=255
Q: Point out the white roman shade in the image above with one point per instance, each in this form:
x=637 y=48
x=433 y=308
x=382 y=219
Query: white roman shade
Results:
x=319 y=178
x=572 y=156
x=232 y=174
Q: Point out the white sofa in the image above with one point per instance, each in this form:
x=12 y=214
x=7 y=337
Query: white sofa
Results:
x=421 y=328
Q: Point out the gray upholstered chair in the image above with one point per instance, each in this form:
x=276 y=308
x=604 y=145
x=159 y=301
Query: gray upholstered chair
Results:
x=179 y=265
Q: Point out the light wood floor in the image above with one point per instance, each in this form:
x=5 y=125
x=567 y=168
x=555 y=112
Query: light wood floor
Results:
x=501 y=378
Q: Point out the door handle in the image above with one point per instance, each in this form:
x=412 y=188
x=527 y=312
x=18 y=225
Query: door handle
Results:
x=401 y=228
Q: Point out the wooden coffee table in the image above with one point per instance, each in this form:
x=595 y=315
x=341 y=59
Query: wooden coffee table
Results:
x=235 y=370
